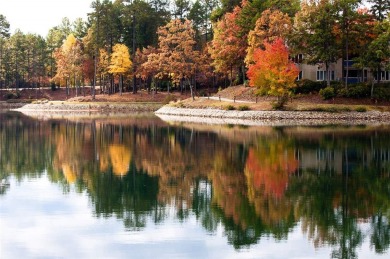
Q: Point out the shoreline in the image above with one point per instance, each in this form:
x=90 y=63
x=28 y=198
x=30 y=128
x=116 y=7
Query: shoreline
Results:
x=90 y=107
x=202 y=115
x=273 y=118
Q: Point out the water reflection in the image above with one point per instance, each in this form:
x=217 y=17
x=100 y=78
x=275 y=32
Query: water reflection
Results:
x=255 y=182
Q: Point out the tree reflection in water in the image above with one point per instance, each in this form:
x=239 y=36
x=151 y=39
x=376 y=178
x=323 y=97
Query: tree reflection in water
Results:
x=255 y=181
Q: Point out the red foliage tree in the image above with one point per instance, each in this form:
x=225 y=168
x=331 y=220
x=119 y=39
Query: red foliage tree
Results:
x=273 y=72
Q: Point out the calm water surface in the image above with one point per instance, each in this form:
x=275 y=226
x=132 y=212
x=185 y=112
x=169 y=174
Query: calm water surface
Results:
x=141 y=188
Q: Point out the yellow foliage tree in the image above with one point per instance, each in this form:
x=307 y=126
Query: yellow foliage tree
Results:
x=69 y=61
x=120 y=62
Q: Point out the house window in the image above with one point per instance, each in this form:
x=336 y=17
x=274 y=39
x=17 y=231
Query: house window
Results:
x=321 y=75
x=384 y=76
x=298 y=58
x=300 y=75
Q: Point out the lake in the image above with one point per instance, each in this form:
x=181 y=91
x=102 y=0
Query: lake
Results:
x=139 y=187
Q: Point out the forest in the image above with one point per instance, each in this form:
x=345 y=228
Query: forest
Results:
x=178 y=44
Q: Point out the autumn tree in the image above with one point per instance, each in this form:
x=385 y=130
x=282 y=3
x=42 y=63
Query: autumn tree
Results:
x=58 y=34
x=224 y=7
x=176 y=54
x=273 y=72
x=271 y=25
x=145 y=70
x=88 y=66
x=69 y=62
x=205 y=75
x=120 y=62
x=228 y=47
x=103 y=67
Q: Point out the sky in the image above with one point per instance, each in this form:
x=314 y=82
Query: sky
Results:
x=39 y=16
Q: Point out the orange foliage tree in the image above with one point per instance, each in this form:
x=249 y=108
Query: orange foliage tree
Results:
x=228 y=47
x=145 y=69
x=271 y=25
x=273 y=72
x=176 y=55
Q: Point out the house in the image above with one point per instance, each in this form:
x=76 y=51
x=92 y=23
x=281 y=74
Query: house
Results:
x=318 y=72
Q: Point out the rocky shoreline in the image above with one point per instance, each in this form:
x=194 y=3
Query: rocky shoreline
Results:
x=215 y=116
x=207 y=115
x=57 y=106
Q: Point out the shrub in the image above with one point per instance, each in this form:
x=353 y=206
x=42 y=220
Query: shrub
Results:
x=327 y=93
x=306 y=86
x=342 y=92
x=336 y=84
x=382 y=92
x=331 y=109
x=230 y=107
x=358 y=90
x=243 y=108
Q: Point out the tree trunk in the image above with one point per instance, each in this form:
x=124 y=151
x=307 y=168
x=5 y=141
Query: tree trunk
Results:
x=231 y=75
x=134 y=84
x=194 y=83
x=191 y=89
x=67 y=88
x=243 y=74
x=148 y=83
x=372 y=87
x=83 y=85
x=75 y=85
x=94 y=73
x=120 y=84
x=378 y=77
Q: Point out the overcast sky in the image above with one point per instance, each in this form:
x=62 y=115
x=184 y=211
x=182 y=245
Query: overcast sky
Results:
x=38 y=16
